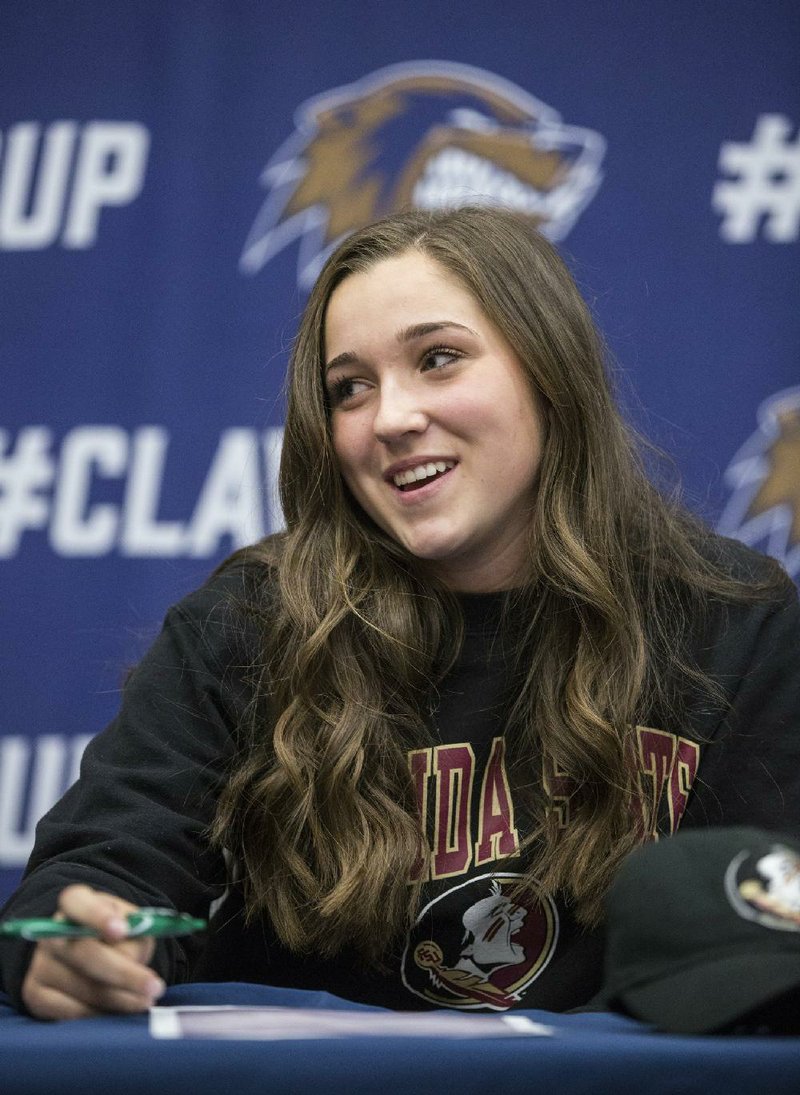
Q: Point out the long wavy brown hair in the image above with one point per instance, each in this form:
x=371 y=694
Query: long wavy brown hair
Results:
x=320 y=809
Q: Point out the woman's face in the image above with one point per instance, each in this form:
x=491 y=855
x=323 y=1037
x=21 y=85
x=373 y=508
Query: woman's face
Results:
x=435 y=428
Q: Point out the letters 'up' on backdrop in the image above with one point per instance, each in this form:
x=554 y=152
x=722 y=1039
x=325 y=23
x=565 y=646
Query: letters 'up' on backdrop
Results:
x=173 y=174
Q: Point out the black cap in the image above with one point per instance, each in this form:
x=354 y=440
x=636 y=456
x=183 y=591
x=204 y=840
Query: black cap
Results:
x=703 y=930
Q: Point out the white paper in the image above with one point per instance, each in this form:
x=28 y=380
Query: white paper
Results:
x=276 y=1024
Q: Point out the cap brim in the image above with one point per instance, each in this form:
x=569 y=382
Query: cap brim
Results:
x=714 y=993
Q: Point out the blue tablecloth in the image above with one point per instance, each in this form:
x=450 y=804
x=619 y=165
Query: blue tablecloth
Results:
x=588 y=1054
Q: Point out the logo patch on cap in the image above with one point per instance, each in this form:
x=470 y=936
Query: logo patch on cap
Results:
x=765 y=887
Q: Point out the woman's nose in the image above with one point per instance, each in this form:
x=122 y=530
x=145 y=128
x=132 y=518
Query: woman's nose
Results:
x=399 y=412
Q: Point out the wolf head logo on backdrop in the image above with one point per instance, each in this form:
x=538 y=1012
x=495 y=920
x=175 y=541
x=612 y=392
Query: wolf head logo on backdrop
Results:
x=764 y=475
x=424 y=135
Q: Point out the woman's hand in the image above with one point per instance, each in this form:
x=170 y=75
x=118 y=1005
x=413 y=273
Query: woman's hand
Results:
x=73 y=978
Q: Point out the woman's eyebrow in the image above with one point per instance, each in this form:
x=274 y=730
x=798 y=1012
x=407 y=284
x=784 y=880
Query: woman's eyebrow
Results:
x=419 y=330
x=406 y=334
x=347 y=358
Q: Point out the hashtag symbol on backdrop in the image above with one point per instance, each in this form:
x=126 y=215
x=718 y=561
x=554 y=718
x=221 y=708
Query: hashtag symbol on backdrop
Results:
x=26 y=469
x=767 y=184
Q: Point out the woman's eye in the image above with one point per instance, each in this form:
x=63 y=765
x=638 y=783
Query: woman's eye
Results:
x=345 y=389
x=439 y=356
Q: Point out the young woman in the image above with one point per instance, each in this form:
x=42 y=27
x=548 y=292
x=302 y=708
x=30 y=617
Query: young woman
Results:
x=400 y=750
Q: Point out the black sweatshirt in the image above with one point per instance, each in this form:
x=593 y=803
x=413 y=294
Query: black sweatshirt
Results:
x=135 y=823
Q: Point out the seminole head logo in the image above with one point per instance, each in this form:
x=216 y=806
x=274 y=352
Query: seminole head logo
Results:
x=420 y=135
x=505 y=943
x=764 y=508
x=766 y=887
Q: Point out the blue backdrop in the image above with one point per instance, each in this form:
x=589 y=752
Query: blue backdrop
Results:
x=173 y=173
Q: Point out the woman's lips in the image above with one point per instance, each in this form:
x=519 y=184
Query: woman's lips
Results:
x=421 y=488
x=417 y=469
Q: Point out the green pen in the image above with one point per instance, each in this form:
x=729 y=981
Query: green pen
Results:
x=145 y=921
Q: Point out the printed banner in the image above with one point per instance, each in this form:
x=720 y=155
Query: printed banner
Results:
x=172 y=177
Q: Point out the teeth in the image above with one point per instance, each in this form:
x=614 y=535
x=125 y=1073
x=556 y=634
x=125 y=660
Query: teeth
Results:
x=422 y=471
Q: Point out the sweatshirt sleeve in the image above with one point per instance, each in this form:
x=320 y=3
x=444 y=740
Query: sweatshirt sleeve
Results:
x=135 y=823
x=749 y=771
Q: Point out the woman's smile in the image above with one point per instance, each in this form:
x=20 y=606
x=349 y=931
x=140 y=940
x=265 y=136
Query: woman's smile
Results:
x=420 y=474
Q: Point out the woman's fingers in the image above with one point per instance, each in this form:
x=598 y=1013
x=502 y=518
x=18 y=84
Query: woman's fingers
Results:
x=93 y=975
x=121 y=966
x=74 y=977
x=101 y=911
x=96 y=976
x=107 y=915
x=48 y=1003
